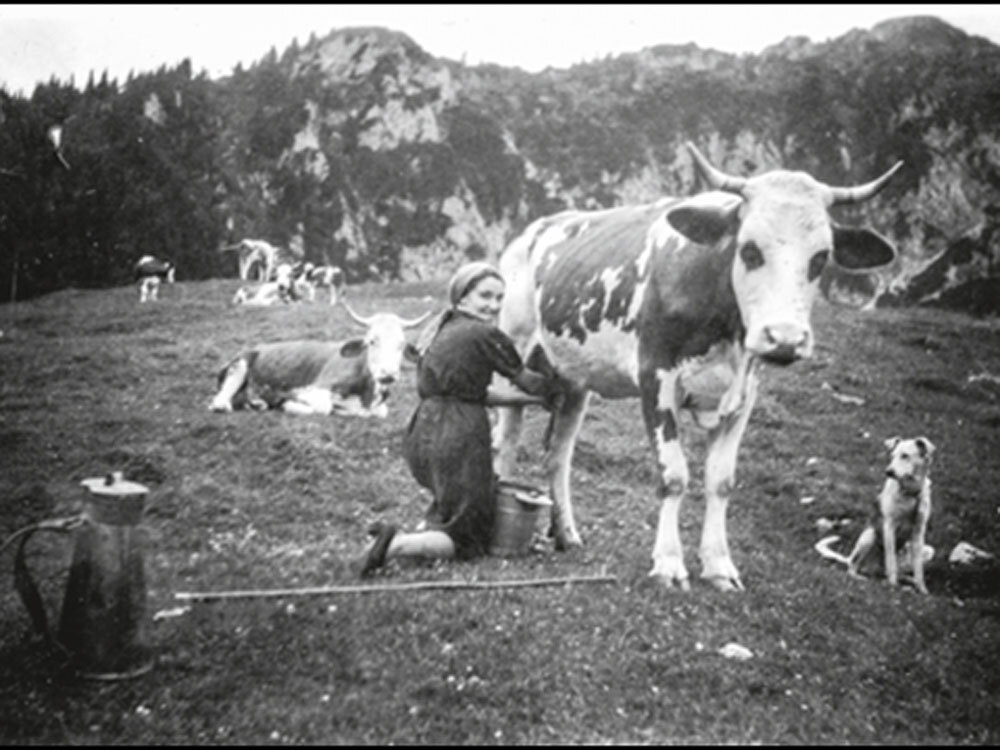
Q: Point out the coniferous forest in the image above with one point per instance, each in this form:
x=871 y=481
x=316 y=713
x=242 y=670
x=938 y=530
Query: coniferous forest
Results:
x=364 y=150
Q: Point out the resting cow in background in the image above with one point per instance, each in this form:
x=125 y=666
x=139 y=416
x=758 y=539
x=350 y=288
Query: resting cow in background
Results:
x=321 y=377
x=149 y=273
x=281 y=290
x=676 y=302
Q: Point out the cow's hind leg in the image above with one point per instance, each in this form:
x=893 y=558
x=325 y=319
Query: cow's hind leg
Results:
x=232 y=381
x=660 y=415
x=565 y=426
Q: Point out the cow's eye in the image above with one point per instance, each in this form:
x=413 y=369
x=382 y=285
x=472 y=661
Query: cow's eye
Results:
x=818 y=263
x=752 y=256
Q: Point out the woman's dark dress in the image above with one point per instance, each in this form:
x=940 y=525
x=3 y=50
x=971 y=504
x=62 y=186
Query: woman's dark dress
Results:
x=447 y=443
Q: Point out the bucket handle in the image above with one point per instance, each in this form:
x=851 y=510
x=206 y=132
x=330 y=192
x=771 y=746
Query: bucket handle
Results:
x=23 y=582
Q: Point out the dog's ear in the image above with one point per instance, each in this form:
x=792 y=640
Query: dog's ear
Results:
x=925 y=446
x=892 y=442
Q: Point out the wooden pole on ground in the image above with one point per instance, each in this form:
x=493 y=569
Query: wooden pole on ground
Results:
x=369 y=589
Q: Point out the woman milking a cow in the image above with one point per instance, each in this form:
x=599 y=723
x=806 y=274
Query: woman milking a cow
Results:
x=447 y=441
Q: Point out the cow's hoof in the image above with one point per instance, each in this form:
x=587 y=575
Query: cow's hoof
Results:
x=567 y=543
x=671 y=573
x=721 y=573
x=670 y=581
x=725 y=583
x=220 y=407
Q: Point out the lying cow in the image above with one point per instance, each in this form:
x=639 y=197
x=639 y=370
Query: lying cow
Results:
x=677 y=302
x=321 y=377
x=149 y=273
x=281 y=290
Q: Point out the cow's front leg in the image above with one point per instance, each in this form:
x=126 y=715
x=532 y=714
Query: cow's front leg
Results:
x=565 y=427
x=659 y=411
x=233 y=381
x=720 y=476
x=309 y=400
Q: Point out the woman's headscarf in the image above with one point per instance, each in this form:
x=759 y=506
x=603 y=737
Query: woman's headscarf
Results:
x=461 y=283
x=467 y=277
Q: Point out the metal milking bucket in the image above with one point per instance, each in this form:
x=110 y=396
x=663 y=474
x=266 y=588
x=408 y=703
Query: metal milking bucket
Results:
x=520 y=511
x=103 y=624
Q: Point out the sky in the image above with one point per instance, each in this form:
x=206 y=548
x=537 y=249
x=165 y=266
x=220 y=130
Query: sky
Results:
x=38 y=42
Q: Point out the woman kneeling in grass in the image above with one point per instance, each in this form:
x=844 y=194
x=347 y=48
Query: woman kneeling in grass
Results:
x=447 y=443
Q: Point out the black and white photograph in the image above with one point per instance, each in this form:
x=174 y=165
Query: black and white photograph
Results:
x=500 y=374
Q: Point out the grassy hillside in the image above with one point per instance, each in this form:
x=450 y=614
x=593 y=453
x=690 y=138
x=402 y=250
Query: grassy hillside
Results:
x=92 y=382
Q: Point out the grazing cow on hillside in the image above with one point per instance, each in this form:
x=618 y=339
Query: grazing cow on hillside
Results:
x=676 y=302
x=149 y=273
x=316 y=277
x=321 y=377
x=258 y=260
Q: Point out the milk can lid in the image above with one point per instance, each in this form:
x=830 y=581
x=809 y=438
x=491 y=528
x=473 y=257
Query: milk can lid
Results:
x=114 y=484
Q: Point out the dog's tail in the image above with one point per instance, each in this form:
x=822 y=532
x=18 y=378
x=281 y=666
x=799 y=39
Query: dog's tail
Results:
x=823 y=547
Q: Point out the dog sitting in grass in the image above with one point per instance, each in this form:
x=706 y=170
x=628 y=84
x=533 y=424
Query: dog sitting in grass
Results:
x=901 y=513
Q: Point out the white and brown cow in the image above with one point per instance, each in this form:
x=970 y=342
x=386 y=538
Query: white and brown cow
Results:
x=318 y=277
x=150 y=272
x=321 y=377
x=281 y=290
x=259 y=260
x=677 y=302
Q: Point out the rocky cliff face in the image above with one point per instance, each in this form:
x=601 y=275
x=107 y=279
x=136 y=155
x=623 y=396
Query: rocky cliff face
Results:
x=423 y=163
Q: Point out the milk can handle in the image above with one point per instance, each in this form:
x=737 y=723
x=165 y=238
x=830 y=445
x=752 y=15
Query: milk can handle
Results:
x=25 y=586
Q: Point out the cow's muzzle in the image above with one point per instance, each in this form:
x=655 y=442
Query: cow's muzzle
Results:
x=785 y=343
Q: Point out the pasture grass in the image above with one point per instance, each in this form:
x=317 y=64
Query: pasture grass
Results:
x=92 y=382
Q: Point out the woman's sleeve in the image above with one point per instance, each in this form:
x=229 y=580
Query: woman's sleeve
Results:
x=501 y=353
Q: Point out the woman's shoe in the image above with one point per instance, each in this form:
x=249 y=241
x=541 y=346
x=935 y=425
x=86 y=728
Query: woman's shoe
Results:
x=375 y=558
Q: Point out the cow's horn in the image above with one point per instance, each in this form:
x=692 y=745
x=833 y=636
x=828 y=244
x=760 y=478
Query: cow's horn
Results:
x=840 y=195
x=357 y=318
x=715 y=178
x=416 y=321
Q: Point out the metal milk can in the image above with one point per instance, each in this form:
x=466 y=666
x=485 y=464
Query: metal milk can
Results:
x=103 y=622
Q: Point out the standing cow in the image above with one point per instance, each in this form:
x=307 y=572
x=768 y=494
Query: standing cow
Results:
x=677 y=302
x=260 y=259
x=149 y=273
x=317 y=277
x=321 y=377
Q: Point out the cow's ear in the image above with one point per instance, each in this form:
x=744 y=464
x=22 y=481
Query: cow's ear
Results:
x=860 y=249
x=411 y=353
x=704 y=224
x=353 y=348
x=849 y=289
